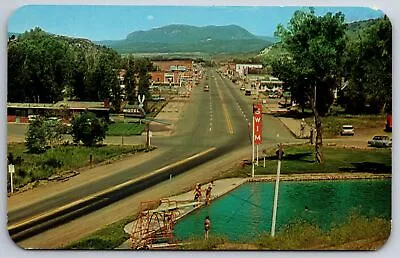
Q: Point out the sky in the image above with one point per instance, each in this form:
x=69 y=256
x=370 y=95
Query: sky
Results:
x=100 y=22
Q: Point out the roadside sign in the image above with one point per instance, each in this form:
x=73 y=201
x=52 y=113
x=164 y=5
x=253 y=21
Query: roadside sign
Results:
x=11 y=168
x=257 y=116
x=134 y=111
x=141 y=100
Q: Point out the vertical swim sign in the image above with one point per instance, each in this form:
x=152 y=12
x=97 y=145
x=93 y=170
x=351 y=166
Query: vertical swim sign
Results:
x=257 y=116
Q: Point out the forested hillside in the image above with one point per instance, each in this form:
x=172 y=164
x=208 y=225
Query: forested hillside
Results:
x=47 y=68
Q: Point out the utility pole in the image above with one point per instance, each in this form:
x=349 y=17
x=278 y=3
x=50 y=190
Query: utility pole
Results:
x=275 y=207
x=257 y=155
x=147 y=134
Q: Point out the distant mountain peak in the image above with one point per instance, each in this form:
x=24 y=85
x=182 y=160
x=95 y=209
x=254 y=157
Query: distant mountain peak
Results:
x=189 y=38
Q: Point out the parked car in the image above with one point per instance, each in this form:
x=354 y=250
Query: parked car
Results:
x=347 y=130
x=273 y=96
x=242 y=88
x=157 y=98
x=247 y=93
x=380 y=141
x=32 y=118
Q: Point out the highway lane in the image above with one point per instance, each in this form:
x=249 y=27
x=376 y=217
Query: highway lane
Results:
x=273 y=130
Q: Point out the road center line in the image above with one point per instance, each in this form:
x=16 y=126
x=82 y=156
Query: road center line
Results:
x=109 y=190
x=226 y=114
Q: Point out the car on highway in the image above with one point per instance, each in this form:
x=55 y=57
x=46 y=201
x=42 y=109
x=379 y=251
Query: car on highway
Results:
x=380 y=141
x=347 y=130
x=206 y=88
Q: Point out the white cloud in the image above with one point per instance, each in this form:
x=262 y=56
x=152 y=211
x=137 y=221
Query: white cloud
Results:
x=150 y=17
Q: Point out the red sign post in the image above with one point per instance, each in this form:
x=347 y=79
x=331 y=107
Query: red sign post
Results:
x=257 y=116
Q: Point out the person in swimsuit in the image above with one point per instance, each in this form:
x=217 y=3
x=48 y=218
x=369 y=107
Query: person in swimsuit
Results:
x=207 y=225
x=197 y=192
x=208 y=194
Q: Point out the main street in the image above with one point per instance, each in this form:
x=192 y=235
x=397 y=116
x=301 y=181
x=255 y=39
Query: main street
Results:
x=215 y=122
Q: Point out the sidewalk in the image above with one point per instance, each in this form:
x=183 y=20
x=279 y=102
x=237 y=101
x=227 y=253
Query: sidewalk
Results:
x=294 y=126
x=171 y=113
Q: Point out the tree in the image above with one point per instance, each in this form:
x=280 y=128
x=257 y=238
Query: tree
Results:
x=43 y=133
x=35 y=139
x=315 y=44
x=88 y=129
x=130 y=79
x=368 y=68
x=54 y=132
x=46 y=68
x=138 y=68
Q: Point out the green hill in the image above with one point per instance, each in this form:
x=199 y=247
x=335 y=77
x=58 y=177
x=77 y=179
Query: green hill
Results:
x=186 y=38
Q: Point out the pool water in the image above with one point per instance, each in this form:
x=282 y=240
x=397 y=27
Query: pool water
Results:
x=246 y=212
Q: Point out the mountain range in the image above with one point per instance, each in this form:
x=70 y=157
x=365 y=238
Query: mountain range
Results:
x=185 y=38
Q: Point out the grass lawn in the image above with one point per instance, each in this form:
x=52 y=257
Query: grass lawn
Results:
x=31 y=167
x=357 y=233
x=332 y=124
x=125 y=129
x=109 y=237
x=300 y=159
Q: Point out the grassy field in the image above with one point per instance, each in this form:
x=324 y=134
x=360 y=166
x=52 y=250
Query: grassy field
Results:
x=31 y=167
x=357 y=233
x=125 y=129
x=300 y=159
x=333 y=124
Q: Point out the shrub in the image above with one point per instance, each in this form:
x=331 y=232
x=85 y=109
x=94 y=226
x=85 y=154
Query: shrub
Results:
x=88 y=129
x=35 y=139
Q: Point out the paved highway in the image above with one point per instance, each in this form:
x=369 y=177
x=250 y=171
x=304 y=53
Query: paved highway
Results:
x=215 y=123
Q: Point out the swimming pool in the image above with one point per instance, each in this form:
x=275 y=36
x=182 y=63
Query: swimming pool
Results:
x=246 y=212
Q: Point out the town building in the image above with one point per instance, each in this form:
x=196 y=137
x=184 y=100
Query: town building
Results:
x=243 y=69
x=65 y=110
x=173 y=72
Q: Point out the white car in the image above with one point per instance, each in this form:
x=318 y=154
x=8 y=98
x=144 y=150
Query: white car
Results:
x=32 y=117
x=242 y=88
x=380 y=141
x=347 y=130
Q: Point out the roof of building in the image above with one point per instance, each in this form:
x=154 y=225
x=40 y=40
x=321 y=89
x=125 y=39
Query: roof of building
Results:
x=62 y=104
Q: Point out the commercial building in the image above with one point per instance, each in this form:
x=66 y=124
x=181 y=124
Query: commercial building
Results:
x=20 y=112
x=173 y=72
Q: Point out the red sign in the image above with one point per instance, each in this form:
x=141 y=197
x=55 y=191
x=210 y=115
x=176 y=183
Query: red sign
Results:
x=257 y=120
